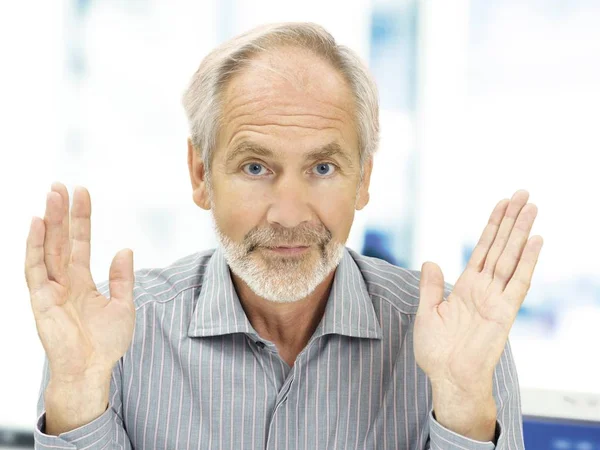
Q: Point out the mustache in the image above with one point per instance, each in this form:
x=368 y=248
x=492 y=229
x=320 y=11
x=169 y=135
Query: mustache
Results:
x=278 y=236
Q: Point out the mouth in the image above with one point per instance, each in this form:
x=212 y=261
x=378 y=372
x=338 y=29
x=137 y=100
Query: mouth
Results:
x=288 y=250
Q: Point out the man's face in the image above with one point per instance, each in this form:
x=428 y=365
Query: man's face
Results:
x=285 y=173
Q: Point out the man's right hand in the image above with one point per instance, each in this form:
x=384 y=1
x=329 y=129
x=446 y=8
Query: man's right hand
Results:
x=83 y=333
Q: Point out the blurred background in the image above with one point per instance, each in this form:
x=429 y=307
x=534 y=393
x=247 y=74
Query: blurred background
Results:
x=479 y=98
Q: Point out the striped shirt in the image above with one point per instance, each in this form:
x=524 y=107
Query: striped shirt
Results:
x=198 y=375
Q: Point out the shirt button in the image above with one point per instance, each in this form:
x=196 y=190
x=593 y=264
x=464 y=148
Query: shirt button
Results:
x=260 y=344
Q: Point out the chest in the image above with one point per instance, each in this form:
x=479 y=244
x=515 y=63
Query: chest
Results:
x=227 y=392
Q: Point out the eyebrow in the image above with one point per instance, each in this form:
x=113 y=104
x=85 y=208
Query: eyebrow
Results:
x=326 y=151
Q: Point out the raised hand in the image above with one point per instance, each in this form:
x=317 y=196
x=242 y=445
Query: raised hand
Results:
x=459 y=342
x=83 y=333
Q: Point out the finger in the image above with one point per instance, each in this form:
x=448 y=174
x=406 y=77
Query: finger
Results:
x=80 y=230
x=518 y=200
x=487 y=238
x=519 y=284
x=53 y=243
x=35 y=268
x=66 y=244
x=431 y=288
x=514 y=248
x=121 y=277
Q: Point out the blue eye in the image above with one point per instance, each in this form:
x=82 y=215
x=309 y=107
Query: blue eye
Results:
x=256 y=169
x=253 y=168
x=324 y=168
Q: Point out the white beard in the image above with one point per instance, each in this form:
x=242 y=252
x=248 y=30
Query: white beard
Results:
x=281 y=279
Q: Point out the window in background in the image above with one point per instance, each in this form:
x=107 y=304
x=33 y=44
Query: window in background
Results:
x=533 y=107
x=508 y=98
x=389 y=224
x=96 y=102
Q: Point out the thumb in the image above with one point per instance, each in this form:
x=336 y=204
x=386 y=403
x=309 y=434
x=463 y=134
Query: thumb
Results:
x=120 y=276
x=431 y=287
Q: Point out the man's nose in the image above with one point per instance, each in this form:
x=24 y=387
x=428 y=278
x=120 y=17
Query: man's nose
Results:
x=290 y=203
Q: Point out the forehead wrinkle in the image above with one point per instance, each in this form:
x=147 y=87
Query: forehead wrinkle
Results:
x=255 y=128
x=335 y=119
x=261 y=97
x=325 y=151
x=279 y=109
x=253 y=120
x=308 y=121
x=237 y=96
x=291 y=70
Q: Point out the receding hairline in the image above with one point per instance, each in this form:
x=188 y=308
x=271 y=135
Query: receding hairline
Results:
x=200 y=99
x=348 y=105
x=301 y=79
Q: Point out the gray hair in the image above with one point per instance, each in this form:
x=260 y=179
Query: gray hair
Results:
x=202 y=100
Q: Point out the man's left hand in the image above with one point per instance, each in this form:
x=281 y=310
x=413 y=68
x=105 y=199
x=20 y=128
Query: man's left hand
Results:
x=459 y=342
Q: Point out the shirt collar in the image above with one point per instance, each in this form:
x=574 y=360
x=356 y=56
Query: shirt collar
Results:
x=349 y=310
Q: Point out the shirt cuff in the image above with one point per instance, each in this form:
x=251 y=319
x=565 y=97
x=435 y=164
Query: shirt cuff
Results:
x=94 y=435
x=442 y=438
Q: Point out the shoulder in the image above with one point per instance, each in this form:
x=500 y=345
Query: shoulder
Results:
x=162 y=284
x=396 y=285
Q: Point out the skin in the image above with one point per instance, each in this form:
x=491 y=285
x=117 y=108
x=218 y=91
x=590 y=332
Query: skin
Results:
x=291 y=103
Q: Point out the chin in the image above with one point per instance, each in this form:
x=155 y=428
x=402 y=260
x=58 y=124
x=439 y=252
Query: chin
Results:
x=285 y=279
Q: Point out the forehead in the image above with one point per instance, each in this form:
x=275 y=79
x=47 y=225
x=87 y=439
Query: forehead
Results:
x=291 y=70
x=288 y=92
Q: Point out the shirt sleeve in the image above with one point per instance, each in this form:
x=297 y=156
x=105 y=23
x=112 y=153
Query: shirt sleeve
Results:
x=509 y=422
x=105 y=432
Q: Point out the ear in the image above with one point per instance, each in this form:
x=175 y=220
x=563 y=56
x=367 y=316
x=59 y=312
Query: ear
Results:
x=197 y=177
x=363 y=192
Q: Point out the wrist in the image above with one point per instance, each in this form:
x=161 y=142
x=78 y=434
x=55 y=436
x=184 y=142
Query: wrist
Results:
x=93 y=374
x=470 y=415
x=70 y=405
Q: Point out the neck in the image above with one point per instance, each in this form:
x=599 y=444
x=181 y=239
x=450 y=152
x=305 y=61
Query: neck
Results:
x=288 y=325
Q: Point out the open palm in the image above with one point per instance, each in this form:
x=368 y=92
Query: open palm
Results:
x=460 y=340
x=82 y=332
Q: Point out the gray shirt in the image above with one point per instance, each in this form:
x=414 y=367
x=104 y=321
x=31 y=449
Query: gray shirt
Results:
x=198 y=376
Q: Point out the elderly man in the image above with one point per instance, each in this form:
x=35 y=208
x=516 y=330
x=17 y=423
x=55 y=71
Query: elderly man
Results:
x=281 y=337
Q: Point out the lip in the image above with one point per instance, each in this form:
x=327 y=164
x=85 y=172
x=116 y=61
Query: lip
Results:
x=289 y=250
